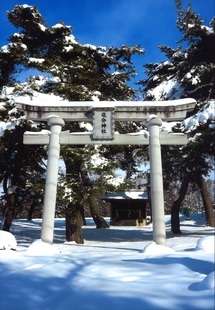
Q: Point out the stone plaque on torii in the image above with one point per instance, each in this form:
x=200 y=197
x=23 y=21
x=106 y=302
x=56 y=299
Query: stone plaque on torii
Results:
x=103 y=115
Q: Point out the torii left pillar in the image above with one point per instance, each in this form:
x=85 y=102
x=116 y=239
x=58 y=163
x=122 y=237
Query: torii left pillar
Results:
x=56 y=123
x=156 y=180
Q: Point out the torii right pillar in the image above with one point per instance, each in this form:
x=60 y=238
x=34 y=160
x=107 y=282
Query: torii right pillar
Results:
x=156 y=180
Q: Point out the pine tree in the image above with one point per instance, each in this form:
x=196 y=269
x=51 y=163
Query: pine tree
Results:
x=76 y=72
x=21 y=167
x=188 y=72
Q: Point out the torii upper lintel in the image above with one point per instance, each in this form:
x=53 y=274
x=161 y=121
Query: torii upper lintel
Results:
x=172 y=110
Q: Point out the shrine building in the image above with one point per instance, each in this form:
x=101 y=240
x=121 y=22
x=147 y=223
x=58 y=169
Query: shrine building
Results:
x=128 y=208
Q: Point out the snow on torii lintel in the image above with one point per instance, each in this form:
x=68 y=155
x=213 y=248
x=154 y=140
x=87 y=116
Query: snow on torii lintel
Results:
x=40 y=107
x=44 y=100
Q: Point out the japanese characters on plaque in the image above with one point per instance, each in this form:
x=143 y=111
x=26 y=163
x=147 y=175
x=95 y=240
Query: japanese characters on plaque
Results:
x=103 y=124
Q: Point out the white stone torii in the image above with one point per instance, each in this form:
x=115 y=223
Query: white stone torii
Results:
x=103 y=114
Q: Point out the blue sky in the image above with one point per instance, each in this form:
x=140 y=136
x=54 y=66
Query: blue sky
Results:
x=114 y=22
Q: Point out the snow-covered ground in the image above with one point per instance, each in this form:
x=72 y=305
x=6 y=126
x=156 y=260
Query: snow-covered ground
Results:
x=116 y=268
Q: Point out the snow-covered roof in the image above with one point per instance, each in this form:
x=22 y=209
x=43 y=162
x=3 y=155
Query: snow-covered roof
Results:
x=132 y=194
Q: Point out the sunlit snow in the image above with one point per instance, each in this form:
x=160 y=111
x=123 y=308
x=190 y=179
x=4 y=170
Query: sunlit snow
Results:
x=116 y=268
x=202 y=117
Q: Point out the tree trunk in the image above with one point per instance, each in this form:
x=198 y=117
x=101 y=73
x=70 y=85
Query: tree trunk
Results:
x=76 y=170
x=9 y=213
x=175 y=222
x=74 y=211
x=74 y=223
x=84 y=223
x=207 y=201
x=98 y=219
x=31 y=210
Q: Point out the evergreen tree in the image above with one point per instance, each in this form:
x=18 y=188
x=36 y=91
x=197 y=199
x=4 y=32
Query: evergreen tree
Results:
x=76 y=72
x=21 y=167
x=189 y=71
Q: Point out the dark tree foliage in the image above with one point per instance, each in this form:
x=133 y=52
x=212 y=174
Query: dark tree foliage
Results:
x=21 y=173
x=188 y=72
x=76 y=72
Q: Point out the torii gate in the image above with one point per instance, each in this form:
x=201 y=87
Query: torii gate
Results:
x=103 y=114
